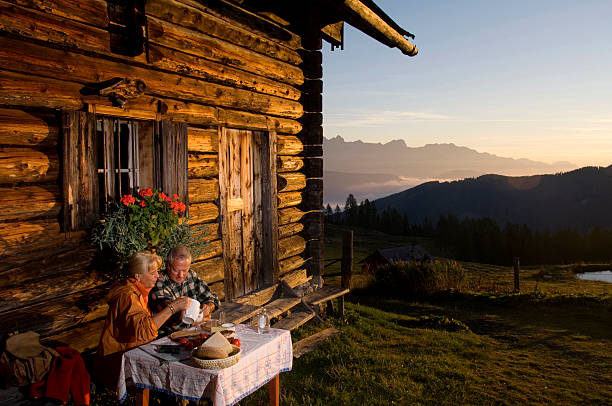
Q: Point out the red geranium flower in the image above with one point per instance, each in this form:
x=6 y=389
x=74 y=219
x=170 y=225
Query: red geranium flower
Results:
x=146 y=192
x=175 y=196
x=178 y=207
x=127 y=199
x=162 y=196
x=142 y=203
x=167 y=199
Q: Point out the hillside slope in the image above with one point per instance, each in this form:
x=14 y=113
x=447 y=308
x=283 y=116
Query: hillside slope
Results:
x=578 y=199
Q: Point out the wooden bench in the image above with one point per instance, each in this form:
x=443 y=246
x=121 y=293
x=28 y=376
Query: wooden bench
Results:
x=282 y=300
x=327 y=294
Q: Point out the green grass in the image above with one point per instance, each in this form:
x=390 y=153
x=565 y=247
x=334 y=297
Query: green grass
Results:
x=534 y=353
x=546 y=279
x=548 y=345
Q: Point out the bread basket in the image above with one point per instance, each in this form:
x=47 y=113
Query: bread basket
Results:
x=220 y=363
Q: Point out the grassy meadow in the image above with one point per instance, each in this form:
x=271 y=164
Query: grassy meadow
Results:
x=478 y=345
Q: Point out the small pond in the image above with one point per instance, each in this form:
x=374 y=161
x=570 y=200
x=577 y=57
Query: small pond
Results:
x=605 y=276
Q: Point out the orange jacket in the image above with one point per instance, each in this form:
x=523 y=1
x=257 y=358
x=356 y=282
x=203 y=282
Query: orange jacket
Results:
x=128 y=325
x=128 y=321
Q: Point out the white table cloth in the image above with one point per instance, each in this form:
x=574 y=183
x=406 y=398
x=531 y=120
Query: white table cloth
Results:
x=263 y=357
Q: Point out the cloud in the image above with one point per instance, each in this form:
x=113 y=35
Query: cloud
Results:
x=371 y=119
x=600 y=120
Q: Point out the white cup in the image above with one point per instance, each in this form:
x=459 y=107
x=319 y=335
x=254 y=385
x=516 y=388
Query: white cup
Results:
x=192 y=314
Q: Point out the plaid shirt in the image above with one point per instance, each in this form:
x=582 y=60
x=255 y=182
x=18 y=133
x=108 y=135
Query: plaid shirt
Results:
x=166 y=290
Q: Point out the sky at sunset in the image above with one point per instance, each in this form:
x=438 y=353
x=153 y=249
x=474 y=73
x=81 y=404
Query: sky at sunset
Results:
x=522 y=79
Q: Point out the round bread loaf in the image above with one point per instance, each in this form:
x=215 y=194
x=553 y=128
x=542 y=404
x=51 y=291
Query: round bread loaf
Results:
x=210 y=353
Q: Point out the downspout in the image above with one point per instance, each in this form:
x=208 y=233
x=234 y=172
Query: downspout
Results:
x=378 y=24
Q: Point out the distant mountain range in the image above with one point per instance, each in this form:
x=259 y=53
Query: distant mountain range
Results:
x=439 y=161
x=578 y=199
x=371 y=170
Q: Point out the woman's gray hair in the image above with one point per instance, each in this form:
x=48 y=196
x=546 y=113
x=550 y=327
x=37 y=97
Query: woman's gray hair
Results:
x=142 y=262
x=180 y=253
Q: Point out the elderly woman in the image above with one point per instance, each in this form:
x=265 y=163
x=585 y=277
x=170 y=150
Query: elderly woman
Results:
x=129 y=323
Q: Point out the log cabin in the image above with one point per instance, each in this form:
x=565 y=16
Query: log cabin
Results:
x=219 y=101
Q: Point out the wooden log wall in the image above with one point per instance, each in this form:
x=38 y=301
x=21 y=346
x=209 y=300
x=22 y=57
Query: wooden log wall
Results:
x=312 y=138
x=209 y=65
x=290 y=185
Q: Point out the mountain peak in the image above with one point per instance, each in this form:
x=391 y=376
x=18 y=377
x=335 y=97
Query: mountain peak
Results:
x=442 y=144
x=396 y=144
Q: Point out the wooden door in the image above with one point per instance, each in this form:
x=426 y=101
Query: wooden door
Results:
x=247 y=182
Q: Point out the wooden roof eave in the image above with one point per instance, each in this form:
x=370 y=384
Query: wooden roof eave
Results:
x=364 y=15
x=375 y=23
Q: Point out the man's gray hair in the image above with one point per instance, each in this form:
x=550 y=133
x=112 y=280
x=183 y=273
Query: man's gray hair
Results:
x=180 y=253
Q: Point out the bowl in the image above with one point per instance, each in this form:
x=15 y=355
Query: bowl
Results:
x=220 y=363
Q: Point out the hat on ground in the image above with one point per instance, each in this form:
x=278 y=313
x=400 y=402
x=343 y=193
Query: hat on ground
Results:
x=24 y=345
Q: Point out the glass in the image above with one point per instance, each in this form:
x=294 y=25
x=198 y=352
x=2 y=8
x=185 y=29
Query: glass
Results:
x=221 y=316
x=262 y=321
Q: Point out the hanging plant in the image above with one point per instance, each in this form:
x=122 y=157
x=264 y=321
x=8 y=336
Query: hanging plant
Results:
x=150 y=221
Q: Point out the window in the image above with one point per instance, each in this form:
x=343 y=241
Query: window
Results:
x=105 y=157
x=125 y=158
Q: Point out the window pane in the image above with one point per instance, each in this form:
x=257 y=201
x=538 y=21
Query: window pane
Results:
x=123 y=144
x=118 y=160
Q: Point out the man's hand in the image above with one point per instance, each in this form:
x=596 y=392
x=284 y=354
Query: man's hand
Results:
x=207 y=308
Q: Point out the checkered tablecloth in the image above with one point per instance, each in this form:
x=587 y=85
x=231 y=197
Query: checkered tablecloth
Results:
x=263 y=357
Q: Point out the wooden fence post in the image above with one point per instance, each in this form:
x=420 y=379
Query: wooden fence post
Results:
x=517 y=287
x=346 y=267
x=347 y=259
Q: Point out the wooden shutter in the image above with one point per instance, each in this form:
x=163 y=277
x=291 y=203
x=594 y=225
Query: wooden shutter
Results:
x=173 y=159
x=79 y=170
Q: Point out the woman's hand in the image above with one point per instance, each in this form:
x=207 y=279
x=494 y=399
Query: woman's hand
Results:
x=180 y=303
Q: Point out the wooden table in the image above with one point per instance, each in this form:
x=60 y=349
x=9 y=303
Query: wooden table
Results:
x=263 y=357
x=142 y=396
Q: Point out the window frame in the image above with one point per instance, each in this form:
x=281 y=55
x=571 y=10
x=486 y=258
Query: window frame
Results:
x=80 y=176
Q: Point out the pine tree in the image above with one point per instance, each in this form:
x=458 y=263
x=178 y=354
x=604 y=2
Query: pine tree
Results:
x=337 y=215
x=350 y=210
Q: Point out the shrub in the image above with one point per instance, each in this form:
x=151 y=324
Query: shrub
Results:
x=434 y=322
x=419 y=278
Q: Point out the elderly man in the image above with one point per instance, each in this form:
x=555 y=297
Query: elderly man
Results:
x=178 y=281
